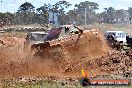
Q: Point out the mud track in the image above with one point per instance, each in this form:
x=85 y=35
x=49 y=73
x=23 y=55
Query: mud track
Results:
x=91 y=53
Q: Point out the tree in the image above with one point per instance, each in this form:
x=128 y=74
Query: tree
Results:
x=26 y=7
x=130 y=14
x=8 y=17
x=110 y=14
x=90 y=6
x=1 y=16
x=87 y=11
x=59 y=8
x=103 y=17
x=43 y=13
x=24 y=12
x=72 y=15
x=120 y=16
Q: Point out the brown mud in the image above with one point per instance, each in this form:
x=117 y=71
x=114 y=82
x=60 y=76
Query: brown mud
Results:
x=91 y=53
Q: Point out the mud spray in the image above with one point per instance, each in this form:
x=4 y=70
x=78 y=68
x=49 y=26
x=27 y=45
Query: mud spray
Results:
x=61 y=62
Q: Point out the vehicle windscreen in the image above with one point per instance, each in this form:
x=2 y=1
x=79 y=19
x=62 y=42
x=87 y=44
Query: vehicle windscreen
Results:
x=110 y=34
x=38 y=37
x=121 y=35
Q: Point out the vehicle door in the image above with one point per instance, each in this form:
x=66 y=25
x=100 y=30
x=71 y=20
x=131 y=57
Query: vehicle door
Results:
x=121 y=37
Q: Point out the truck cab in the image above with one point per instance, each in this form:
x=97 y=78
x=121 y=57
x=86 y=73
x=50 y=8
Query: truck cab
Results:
x=54 y=37
x=36 y=37
x=119 y=36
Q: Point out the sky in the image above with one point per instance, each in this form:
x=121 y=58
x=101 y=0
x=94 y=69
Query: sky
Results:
x=13 y=5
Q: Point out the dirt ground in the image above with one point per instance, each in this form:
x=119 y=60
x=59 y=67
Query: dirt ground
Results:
x=92 y=53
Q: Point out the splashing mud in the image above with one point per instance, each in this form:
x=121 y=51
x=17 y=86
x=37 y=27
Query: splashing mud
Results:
x=60 y=62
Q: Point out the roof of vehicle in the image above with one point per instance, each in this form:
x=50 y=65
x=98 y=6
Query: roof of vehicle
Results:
x=66 y=25
x=116 y=31
x=38 y=32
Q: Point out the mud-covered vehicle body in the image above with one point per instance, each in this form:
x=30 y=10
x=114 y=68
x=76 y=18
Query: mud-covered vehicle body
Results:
x=36 y=37
x=119 y=36
x=118 y=39
x=41 y=41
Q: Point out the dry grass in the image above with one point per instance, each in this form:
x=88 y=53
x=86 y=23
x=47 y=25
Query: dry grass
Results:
x=13 y=34
x=51 y=84
x=110 y=27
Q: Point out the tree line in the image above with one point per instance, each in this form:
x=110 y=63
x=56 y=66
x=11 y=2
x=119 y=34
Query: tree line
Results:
x=83 y=13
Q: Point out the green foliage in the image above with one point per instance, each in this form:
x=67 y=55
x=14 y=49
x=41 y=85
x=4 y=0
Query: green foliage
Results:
x=130 y=11
x=43 y=13
x=120 y=13
x=26 y=14
x=110 y=15
x=90 y=6
x=43 y=9
x=26 y=7
x=84 y=9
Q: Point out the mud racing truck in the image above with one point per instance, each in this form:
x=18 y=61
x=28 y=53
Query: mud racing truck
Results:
x=119 y=39
x=37 y=40
x=41 y=41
